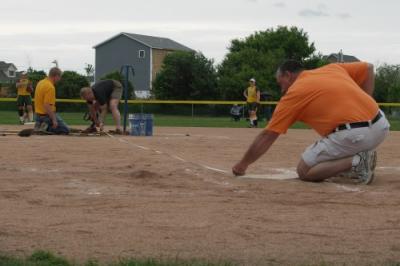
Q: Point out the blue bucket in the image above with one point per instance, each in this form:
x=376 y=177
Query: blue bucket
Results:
x=141 y=124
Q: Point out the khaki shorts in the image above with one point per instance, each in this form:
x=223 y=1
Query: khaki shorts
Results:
x=117 y=92
x=346 y=143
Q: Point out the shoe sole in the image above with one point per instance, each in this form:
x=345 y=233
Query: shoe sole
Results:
x=371 y=167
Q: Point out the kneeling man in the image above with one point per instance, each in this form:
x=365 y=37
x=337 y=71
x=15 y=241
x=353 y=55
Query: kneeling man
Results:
x=336 y=101
x=47 y=120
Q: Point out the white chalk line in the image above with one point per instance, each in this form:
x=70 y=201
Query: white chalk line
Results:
x=170 y=155
x=215 y=169
x=283 y=173
x=349 y=189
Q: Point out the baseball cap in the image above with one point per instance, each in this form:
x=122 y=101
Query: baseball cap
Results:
x=252 y=80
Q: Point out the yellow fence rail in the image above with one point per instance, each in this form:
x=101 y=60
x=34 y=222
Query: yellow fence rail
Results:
x=183 y=102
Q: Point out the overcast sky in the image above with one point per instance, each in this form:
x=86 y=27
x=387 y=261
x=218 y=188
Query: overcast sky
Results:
x=34 y=33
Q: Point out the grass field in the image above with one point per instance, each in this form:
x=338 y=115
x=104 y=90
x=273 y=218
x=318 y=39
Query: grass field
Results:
x=10 y=118
x=44 y=258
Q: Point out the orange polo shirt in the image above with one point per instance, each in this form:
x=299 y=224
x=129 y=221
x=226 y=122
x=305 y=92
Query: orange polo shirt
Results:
x=325 y=98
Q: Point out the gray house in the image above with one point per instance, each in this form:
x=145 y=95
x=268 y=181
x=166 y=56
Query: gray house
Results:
x=145 y=53
x=8 y=72
x=341 y=58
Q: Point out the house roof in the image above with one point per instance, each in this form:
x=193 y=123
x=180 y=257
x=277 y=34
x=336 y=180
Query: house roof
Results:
x=5 y=66
x=346 y=58
x=150 y=41
x=3 y=76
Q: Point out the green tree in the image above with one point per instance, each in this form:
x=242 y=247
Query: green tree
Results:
x=387 y=83
x=186 y=76
x=35 y=76
x=70 y=85
x=116 y=75
x=259 y=55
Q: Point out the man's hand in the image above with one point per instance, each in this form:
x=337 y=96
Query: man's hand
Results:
x=54 y=124
x=260 y=145
x=239 y=169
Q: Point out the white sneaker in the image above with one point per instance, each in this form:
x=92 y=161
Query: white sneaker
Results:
x=366 y=167
x=41 y=128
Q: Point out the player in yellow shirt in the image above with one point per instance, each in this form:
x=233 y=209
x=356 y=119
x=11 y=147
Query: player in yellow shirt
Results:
x=24 y=99
x=47 y=120
x=252 y=95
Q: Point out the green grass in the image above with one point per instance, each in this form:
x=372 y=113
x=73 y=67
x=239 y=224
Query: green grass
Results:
x=44 y=258
x=11 y=118
x=73 y=119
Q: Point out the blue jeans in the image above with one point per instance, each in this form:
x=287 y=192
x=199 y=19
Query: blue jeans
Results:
x=61 y=129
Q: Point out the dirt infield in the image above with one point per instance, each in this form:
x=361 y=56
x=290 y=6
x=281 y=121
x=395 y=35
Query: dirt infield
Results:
x=167 y=196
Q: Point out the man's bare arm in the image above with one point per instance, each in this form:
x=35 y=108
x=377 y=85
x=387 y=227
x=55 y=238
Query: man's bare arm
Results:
x=369 y=83
x=93 y=113
x=51 y=114
x=260 y=145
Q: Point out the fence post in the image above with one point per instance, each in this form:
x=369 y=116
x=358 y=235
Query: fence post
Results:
x=192 y=110
x=125 y=72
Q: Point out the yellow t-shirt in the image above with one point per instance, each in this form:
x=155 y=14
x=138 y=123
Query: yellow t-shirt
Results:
x=252 y=94
x=22 y=87
x=45 y=93
x=325 y=98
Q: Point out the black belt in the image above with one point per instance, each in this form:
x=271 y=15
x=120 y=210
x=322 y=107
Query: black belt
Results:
x=358 y=124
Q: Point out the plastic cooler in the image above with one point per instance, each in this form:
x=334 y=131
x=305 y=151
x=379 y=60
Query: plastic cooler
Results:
x=141 y=124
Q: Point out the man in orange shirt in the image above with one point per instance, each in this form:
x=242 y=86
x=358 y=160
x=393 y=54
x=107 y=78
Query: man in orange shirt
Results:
x=336 y=101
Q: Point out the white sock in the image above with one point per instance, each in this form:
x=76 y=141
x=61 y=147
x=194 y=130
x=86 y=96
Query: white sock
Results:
x=356 y=160
x=30 y=115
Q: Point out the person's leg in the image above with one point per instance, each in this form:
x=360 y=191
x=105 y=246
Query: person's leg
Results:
x=61 y=129
x=20 y=106
x=115 y=113
x=323 y=170
x=343 y=151
x=29 y=108
x=42 y=124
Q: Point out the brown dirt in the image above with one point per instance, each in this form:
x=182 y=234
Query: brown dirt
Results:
x=108 y=198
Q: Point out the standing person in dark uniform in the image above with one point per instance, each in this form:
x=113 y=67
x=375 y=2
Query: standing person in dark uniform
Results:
x=104 y=95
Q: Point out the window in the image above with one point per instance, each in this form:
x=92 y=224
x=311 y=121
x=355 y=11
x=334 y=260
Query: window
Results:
x=11 y=73
x=142 y=53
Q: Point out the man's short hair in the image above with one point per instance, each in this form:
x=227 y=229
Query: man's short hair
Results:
x=291 y=66
x=84 y=91
x=54 y=72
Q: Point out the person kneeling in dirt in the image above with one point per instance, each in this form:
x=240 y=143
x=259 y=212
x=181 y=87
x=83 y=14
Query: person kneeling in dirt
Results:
x=336 y=101
x=47 y=120
x=104 y=95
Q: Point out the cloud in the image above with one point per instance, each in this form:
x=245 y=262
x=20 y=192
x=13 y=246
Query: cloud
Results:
x=344 y=15
x=280 y=4
x=313 y=13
